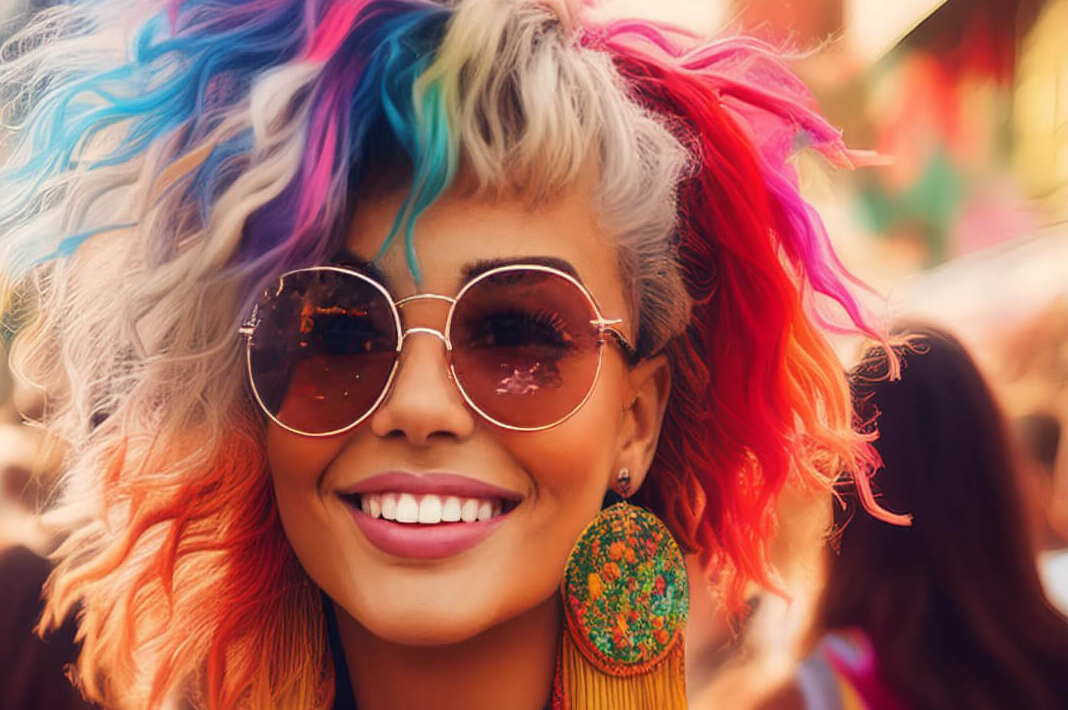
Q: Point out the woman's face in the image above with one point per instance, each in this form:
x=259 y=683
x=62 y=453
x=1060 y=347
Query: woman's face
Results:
x=418 y=591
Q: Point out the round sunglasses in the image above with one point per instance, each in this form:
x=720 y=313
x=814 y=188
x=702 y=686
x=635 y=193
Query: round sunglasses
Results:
x=523 y=344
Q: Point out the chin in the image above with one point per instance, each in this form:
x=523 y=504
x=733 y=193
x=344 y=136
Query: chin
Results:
x=415 y=623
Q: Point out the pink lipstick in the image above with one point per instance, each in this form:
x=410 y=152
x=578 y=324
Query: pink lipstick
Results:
x=427 y=516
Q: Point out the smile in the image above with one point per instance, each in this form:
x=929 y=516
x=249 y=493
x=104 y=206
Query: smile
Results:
x=429 y=509
x=429 y=516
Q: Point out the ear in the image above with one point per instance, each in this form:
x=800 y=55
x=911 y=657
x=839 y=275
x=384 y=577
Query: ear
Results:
x=643 y=416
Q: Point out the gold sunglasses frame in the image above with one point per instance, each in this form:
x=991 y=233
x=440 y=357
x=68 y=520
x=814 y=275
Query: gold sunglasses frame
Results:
x=604 y=326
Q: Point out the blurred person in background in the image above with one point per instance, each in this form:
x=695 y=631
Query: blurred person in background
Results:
x=32 y=670
x=949 y=613
x=1039 y=435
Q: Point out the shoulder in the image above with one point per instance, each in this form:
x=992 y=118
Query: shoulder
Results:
x=787 y=696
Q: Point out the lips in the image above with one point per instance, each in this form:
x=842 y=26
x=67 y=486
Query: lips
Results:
x=427 y=516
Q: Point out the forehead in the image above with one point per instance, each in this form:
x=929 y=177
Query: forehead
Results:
x=458 y=234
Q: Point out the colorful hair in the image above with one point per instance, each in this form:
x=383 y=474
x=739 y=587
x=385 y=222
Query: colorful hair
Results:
x=172 y=157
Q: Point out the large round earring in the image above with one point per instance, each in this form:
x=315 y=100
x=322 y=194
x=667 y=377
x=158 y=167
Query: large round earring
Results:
x=626 y=598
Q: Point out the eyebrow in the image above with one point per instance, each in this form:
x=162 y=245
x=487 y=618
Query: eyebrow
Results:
x=481 y=266
x=349 y=259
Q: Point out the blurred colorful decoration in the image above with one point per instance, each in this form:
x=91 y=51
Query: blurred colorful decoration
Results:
x=942 y=106
x=965 y=98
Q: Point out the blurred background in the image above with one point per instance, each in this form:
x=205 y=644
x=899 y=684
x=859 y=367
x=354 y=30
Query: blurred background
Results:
x=962 y=216
x=959 y=218
x=959 y=214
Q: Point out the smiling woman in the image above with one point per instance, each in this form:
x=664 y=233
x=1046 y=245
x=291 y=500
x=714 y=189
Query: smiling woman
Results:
x=352 y=313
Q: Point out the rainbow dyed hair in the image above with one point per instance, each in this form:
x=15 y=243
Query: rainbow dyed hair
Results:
x=166 y=159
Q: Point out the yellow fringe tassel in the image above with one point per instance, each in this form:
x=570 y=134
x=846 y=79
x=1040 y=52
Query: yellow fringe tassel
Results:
x=586 y=687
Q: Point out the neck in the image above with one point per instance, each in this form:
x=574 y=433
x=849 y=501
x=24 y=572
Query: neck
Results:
x=509 y=665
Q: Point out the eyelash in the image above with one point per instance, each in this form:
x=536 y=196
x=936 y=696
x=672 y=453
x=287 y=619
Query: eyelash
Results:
x=546 y=318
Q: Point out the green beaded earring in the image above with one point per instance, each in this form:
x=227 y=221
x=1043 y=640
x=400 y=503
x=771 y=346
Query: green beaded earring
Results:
x=626 y=598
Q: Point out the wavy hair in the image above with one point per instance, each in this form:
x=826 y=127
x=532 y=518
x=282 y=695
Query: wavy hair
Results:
x=167 y=159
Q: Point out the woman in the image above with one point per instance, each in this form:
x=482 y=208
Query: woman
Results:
x=947 y=613
x=378 y=300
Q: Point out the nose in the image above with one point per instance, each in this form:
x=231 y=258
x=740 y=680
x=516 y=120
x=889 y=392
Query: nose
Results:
x=423 y=402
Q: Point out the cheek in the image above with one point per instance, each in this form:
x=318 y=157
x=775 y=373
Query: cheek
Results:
x=576 y=457
x=297 y=464
x=567 y=462
x=299 y=461
x=569 y=468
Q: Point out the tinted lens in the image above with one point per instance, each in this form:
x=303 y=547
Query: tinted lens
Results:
x=322 y=349
x=524 y=348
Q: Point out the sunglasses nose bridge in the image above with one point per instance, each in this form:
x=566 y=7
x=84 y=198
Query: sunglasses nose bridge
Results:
x=433 y=316
x=426 y=331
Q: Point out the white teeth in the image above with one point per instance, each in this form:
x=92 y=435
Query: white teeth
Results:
x=389 y=506
x=451 y=511
x=407 y=509
x=469 y=510
x=430 y=510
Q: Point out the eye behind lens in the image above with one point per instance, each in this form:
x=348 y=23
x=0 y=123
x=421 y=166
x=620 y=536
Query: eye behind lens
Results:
x=543 y=329
x=322 y=350
x=525 y=347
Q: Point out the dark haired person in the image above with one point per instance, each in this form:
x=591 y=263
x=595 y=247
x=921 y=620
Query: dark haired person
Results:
x=948 y=613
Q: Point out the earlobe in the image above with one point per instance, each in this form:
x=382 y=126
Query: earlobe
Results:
x=650 y=386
